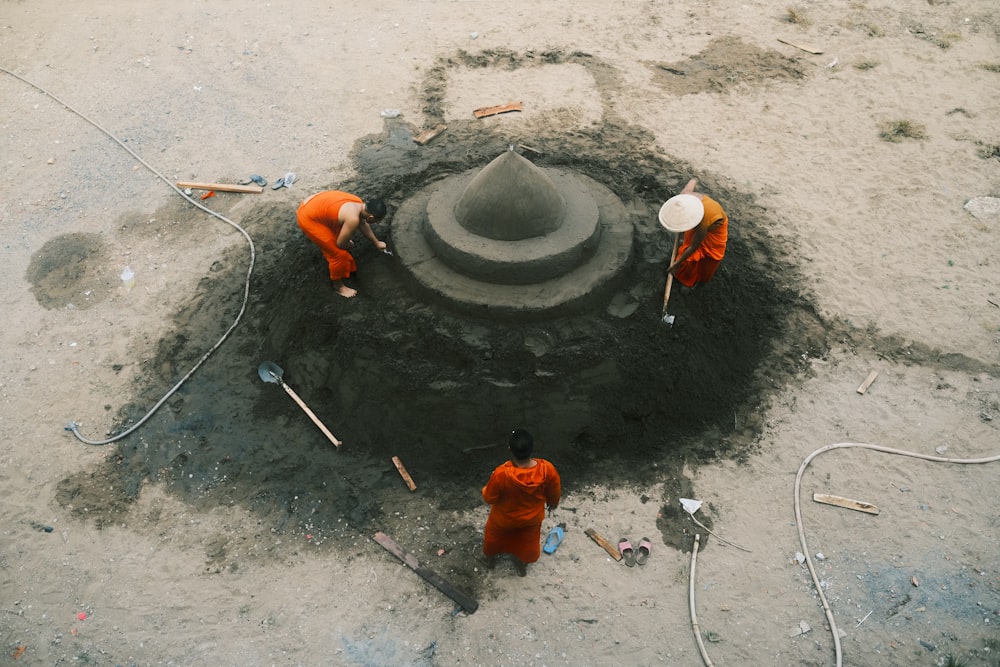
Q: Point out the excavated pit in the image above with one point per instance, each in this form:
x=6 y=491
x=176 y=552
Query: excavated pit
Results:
x=613 y=396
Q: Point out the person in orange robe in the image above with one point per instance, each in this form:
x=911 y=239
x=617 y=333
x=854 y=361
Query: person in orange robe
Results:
x=518 y=492
x=703 y=247
x=329 y=219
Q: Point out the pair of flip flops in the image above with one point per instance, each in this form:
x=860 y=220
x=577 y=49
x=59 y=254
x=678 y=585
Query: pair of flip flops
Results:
x=633 y=556
x=555 y=536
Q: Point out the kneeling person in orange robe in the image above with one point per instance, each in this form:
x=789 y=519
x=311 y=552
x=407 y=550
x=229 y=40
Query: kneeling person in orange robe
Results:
x=518 y=492
x=329 y=219
x=704 y=246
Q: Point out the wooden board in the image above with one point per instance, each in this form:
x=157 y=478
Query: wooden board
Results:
x=868 y=382
x=402 y=473
x=483 y=112
x=424 y=137
x=604 y=544
x=846 y=503
x=804 y=47
x=463 y=600
x=222 y=187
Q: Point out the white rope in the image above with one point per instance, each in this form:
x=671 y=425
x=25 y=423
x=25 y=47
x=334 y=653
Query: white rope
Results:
x=72 y=426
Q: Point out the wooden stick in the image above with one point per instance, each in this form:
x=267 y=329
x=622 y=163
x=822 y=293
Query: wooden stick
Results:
x=313 y=417
x=221 y=187
x=402 y=473
x=604 y=544
x=483 y=112
x=463 y=600
x=868 y=382
x=424 y=137
x=846 y=503
x=670 y=276
x=804 y=47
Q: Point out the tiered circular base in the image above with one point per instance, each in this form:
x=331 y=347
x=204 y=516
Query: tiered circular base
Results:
x=569 y=270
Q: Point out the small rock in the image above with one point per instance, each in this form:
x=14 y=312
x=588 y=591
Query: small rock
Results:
x=983 y=207
x=820 y=556
x=800 y=557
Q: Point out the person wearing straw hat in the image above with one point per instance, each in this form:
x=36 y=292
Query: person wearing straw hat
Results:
x=706 y=229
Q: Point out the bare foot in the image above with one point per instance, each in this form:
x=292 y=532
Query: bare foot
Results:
x=345 y=291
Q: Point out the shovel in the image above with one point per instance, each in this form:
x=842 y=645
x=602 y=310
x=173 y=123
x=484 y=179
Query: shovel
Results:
x=669 y=319
x=271 y=372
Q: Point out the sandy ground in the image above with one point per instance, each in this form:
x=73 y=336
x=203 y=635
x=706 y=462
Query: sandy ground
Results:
x=182 y=548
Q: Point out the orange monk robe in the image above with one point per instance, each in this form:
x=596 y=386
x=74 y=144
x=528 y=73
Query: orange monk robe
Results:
x=319 y=220
x=517 y=498
x=701 y=265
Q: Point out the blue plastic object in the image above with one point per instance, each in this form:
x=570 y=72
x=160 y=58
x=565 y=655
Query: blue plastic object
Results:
x=554 y=539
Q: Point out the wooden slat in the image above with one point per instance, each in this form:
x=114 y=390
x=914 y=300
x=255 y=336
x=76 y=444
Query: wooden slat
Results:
x=424 y=137
x=463 y=600
x=483 y=112
x=846 y=503
x=221 y=187
x=402 y=473
x=868 y=382
x=604 y=544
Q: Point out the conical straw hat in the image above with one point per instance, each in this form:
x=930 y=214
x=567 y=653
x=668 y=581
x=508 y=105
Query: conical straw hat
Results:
x=681 y=213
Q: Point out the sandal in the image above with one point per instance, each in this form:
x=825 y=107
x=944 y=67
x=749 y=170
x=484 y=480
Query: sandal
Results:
x=628 y=553
x=645 y=547
x=555 y=537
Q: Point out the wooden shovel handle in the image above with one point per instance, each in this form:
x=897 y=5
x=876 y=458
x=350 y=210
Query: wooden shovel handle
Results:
x=670 y=276
x=305 y=408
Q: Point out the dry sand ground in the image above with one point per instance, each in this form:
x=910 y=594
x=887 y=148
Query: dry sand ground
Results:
x=902 y=275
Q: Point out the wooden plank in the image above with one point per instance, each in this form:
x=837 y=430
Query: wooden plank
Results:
x=483 y=112
x=868 y=382
x=402 y=473
x=846 y=503
x=603 y=543
x=424 y=137
x=463 y=600
x=804 y=47
x=221 y=187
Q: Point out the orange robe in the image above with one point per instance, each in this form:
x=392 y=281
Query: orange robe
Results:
x=319 y=220
x=517 y=498
x=701 y=265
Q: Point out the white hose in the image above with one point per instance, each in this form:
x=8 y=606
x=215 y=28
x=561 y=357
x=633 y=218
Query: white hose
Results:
x=72 y=426
x=802 y=534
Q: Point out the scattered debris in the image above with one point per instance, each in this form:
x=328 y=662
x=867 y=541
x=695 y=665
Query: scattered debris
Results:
x=603 y=543
x=803 y=47
x=404 y=474
x=983 y=208
x=802 y=629
x=425 y=137
x=208 y=195
x=913 y=580
x=868 y=382
x=221 y=187
x=846 y=503
x=864 y=619
x=390 y=113
x=484 y=112
x=463 y=600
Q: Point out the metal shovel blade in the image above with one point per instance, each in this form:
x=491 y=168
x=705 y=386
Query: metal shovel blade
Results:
x=270 y=372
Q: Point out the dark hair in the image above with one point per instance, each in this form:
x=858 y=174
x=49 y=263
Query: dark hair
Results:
x=521 y=444
x=376 y=207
